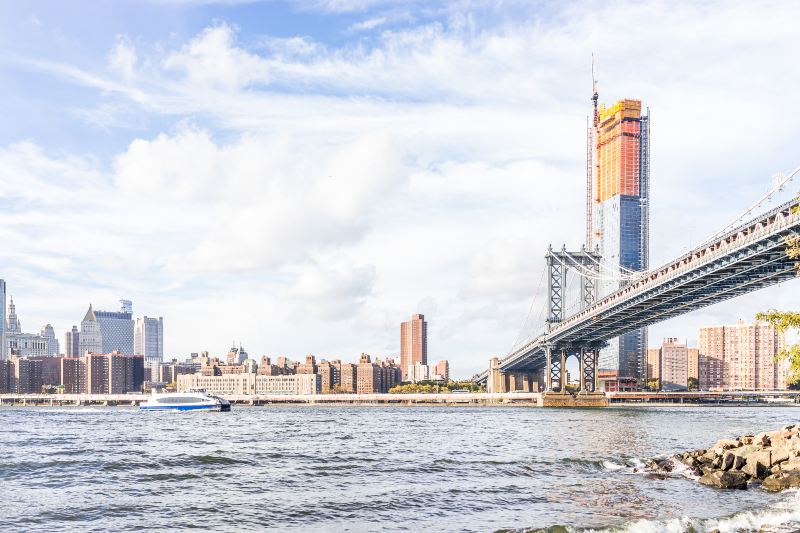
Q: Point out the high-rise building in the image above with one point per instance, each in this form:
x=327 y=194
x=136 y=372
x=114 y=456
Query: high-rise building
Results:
x=148 y=338
x=670 y=364
x=443 y=370
x=2 y=320
x=72 y=346
x=22 y=344
x=741 y=357
x=50 y=335
x=116 y=328
x=617 y=217
x=91 y=339
x=413 y=343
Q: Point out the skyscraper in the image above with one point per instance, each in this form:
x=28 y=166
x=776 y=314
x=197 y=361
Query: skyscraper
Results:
x=91 y=339
x=413 y=343
x=617 y=217
x=72 y=346
x=18 y=343
x=49 y=334
x=116 y=328
x=2 y=320
x=741 y=357
x=148 y=339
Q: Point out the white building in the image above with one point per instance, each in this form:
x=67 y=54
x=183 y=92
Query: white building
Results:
x=90 y=340
x=247 y=384
x=148 y=338
x=50 y=335
x=419 y=372
x=22 y=344
x=2 y=320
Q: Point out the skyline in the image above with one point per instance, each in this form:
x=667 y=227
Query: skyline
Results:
x=488 y=136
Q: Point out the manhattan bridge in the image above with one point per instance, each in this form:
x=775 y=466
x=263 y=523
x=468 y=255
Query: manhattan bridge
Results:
x=748 y=254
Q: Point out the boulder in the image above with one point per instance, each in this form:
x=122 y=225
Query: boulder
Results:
x=727 y=461
x=747 y=439
x=745 y=450
x=762 y=439
x=738 y=462
x=793 y=465
x=778 y=454
x=725 y=480
x=758 y=464
x=781 y=480
x=727 y=444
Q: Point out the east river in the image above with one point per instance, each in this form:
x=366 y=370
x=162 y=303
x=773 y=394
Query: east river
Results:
x=347 y=468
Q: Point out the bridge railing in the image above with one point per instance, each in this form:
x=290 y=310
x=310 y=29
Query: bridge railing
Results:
x=740 y=237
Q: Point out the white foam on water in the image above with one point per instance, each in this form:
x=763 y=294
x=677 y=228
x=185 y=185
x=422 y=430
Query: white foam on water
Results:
x=609 y=465
x=783 y=517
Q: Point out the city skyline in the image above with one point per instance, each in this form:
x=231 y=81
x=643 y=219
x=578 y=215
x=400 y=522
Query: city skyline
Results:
x=503 y=142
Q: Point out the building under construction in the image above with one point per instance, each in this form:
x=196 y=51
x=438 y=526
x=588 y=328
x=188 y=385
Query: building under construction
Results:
x=617 y=213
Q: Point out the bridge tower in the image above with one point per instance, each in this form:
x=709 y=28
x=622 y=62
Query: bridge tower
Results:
x=586 y=264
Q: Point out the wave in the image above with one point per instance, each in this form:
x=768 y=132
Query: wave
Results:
x=782 y=517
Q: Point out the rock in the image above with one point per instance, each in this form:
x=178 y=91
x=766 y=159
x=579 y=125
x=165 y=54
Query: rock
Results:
x=727 y=444
x=727 y=461
x=792 y=465
x=717 y=462
x=747 y=439
x=745 y=450
x=725 y=480
x=762 y=439
x=758 y=465
x=781 y=481
x=738 y=462
x=778 y=455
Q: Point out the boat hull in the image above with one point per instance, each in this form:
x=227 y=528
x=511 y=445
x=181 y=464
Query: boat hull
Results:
x=181 y=408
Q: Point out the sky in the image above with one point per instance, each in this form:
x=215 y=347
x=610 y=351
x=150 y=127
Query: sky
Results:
x=301 y=177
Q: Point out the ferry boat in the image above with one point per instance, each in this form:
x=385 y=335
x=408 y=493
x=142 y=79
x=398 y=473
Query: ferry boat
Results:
x=198 y=400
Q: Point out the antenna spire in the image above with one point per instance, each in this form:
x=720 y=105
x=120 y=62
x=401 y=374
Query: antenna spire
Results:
x=594 y=93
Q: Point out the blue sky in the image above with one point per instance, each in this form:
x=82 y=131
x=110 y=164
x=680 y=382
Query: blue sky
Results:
x=302 y=176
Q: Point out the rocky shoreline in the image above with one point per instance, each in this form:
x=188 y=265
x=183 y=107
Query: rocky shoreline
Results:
x=770 y=458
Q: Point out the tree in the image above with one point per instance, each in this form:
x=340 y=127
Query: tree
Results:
x=653 y=384
x=693 y=384
x=783 y=321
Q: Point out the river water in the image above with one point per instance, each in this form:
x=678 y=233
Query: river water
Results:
x=366 y=468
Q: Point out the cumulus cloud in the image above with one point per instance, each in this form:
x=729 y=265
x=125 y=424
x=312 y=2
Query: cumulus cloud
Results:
x=369 y=179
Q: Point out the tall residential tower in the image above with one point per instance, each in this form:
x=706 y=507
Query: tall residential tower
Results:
x=413 y=344
x=617 y=212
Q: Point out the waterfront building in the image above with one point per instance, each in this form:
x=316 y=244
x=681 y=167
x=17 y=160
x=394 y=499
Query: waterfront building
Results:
x=116 y=329
x=309 y=367
x=348 y=377
x=248 y=384
x=73 y=375
x=91 y=339
x=741 y=357
x=5 y=376
x=148 y=338
x=25 y=375
x=267 y=368
x=72 y=347
x=443 y=370
x=3 y=355
x=670 y=364
x=329 y=377
x=413 y=343
x=391 y=374
x=22 y=344
x=113 y=373
x=617 y=214
x=50 y=336
x=368 y=375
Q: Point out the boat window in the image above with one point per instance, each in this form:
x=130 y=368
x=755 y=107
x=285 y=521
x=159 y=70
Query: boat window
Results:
x=181 y=399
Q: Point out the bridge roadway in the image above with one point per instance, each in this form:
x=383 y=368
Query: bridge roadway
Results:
x=747 y=258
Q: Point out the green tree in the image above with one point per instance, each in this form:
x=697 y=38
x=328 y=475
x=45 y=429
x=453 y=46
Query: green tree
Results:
x=784 y=321
x=693 y=384
x=653 y=384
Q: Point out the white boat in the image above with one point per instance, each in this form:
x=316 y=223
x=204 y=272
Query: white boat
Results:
x=185 y=401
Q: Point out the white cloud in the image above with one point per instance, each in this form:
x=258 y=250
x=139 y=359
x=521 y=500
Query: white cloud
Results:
x=427 y=167
x=122 y=58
